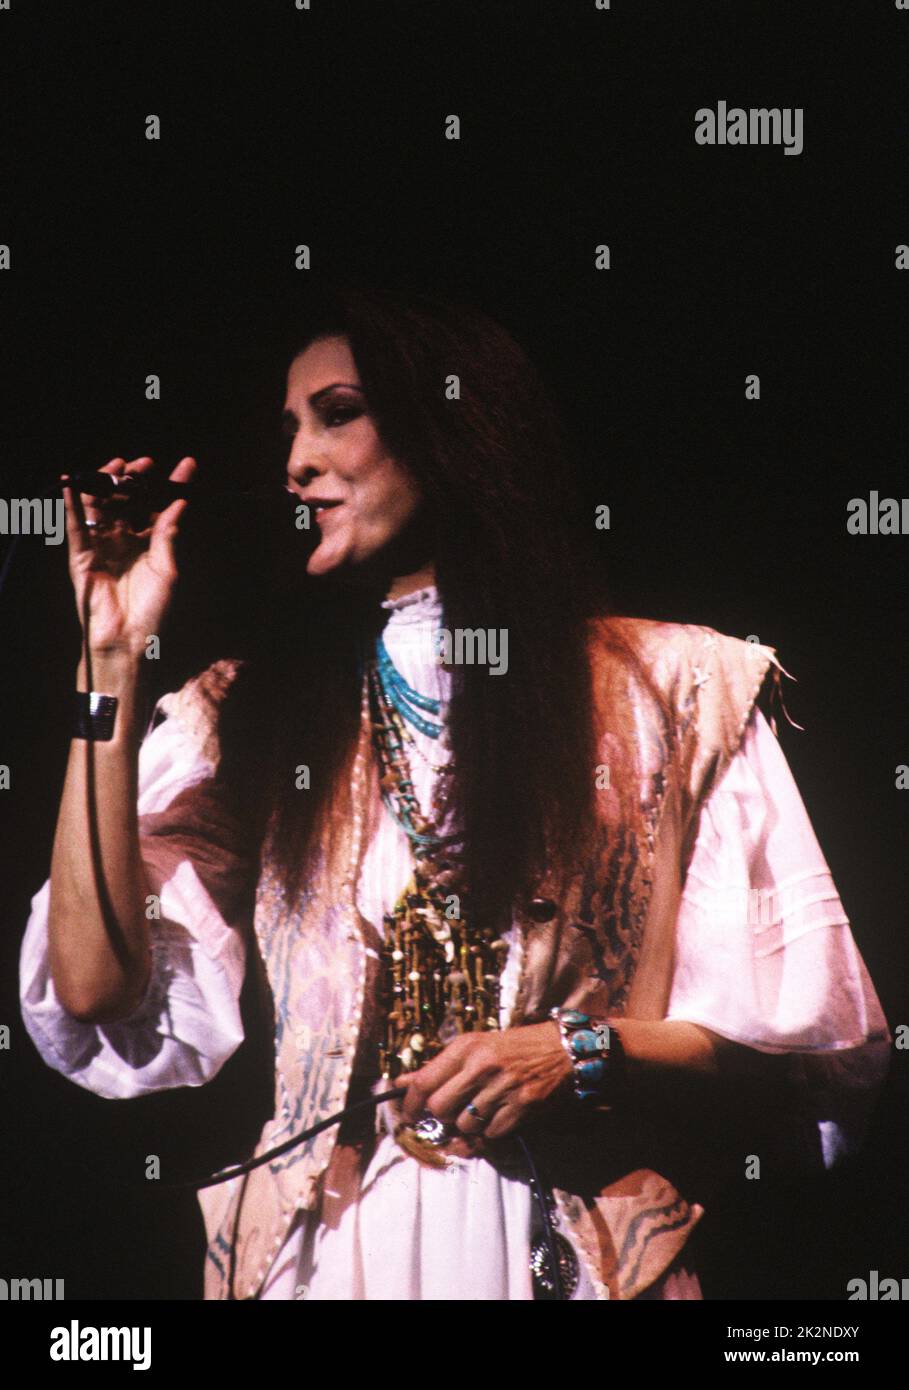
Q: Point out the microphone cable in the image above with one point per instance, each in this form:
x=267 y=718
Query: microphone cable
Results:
x=537 y=1187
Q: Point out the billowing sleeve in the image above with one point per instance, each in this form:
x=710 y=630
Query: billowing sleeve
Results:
x=765 y=955
x=189 y=1022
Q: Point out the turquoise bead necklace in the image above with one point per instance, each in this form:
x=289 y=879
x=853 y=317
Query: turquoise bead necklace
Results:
x=402 y=696
x=394 y=703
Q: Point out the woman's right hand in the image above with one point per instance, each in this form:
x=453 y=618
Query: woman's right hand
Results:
x=123 y=579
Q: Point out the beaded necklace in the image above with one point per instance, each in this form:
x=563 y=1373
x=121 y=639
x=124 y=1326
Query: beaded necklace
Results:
x=441 y=974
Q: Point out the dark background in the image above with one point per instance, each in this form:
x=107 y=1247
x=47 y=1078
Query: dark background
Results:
x=177 y=257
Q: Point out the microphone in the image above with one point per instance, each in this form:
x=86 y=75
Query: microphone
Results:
x=147 y=488
x=152 y=493
x=137 y=495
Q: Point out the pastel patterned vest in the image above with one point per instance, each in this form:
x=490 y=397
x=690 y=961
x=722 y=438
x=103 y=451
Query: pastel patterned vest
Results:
x=605 y=945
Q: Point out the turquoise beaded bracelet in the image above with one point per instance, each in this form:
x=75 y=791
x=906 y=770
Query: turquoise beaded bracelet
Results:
x=594 y=1049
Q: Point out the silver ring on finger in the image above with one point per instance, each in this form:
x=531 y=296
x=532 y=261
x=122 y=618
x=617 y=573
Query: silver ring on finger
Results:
x=474 y=1112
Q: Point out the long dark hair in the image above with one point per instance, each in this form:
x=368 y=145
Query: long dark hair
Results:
x=500 y=512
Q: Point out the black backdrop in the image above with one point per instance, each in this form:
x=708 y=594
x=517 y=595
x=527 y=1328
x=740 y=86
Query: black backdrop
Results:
x=325 y=127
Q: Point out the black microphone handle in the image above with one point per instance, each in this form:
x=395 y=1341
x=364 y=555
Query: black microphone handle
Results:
x=129 y=485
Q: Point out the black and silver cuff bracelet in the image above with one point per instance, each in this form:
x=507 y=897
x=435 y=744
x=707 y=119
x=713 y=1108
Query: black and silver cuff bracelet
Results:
x=94 y=716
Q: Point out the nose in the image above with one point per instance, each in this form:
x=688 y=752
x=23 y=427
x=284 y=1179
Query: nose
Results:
x=302 y=473
x=305 y=462
x=303 y=465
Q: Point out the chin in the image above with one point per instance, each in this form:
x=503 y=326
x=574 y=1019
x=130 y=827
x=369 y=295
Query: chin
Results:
x=315 y=566
x=335 y=562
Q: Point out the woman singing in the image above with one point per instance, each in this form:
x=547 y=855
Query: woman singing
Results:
x=543 y=866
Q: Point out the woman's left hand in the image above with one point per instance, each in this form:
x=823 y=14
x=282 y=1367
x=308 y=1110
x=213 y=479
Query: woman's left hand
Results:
x=504 y=1075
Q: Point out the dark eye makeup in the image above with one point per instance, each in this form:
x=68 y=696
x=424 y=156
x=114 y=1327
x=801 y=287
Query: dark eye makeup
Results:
x=341 y=414
x=333 y=413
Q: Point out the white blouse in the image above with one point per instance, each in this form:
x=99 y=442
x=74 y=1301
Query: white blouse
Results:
x=765 y=957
